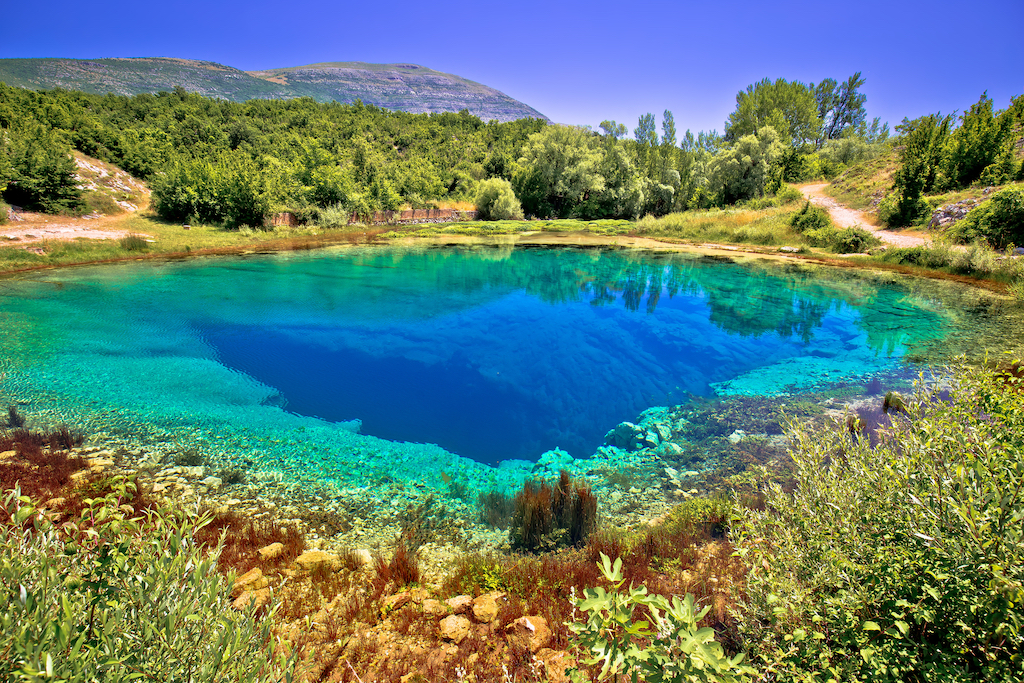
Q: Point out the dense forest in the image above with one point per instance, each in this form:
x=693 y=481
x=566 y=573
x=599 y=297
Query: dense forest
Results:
x=214 y=161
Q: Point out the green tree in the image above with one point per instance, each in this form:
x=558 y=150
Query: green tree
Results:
x=975 y=144
x=788 y=107
x=752 y=167
x=559 y=171
x=496 y=201
x=840 y=107
x=923 y=141
x=41 y=173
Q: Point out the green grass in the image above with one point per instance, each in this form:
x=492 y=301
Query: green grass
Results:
x=764 y=227
x=860 y=185
x=484 y=228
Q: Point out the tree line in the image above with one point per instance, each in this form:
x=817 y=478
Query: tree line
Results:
x=210 y=160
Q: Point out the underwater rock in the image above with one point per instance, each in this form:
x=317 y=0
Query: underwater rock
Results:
x=737 y=436
x=252 y=599
x=311 y=559
x=460 y=603
x=435 y=608
x=252 y=580
x=625 y=435
x=556 y=663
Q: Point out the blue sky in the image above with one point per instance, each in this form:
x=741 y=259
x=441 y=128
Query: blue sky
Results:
x=577 y=62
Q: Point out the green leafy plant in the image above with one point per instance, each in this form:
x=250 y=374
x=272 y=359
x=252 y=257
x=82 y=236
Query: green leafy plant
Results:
x=114 y=598
x=677 y=648
x=902 y=560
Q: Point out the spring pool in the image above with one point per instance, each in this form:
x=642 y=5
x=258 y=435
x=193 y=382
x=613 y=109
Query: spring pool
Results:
x=358 y=365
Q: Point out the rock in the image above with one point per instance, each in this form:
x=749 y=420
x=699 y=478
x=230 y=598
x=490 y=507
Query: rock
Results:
x=250 y=581
x=460 y=604
x=485 y=607
x=212 y=482
x=790 y=250
x=311 y=559
x=159 y=487
x=361 y=557
x=454 y=628
x=948 y=214
x=555 y=664
x=625 y=435
x=435 y=608
x=99 y=464
x=7 y=455
x=252 y=599
x=737 y=436
x=531 y=632
x=396 y=601
x=272 y=551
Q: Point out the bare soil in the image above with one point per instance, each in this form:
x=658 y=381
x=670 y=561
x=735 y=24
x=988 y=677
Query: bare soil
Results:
x=27 y=228
x=846 y=217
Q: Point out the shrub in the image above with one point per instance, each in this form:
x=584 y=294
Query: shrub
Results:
x=110 y=598
x=810 y=217
x=548 y=517
x=4 y=210
x=998 y=220
x=899 y=561
x=678 y=650
x=496 y=201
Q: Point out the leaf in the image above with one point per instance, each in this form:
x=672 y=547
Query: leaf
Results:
x=871 y=626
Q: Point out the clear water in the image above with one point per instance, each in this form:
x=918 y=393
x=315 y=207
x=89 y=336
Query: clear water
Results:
x=453 y=360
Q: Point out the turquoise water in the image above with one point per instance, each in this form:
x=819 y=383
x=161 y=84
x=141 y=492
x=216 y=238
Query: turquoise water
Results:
x=355 y=366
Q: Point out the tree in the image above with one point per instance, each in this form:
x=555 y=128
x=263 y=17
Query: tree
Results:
x=41 y=173
x=923 y=141
x=839 y=108
x=789 y=108
x=750 y=168
x=975 y=144
x=559 y=170
x=496 y=201
x=616 y=130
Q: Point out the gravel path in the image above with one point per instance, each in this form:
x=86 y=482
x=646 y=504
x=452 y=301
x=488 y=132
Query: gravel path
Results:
x=845 y=217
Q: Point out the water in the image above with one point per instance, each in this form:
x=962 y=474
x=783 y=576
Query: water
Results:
x=442 y=360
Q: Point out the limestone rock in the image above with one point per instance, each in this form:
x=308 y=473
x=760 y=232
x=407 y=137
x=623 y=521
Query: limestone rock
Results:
x=272 y=551
x=625 y=435
x=212 y=482
x=454 y=628
x=435 y=608
x=311 y=559
x=531 y=632
x=555 y=664
x=396 y=601
x=948 y=214
x=7 y=455
x=460 y=604
x=485 y=607
x=252 y=599
x=250 y=581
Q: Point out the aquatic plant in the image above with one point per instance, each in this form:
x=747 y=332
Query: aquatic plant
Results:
x=547 y=517
x=401 y=570
x=14 y=418
x=189 y=457
x=495 y=509
x=243 y=536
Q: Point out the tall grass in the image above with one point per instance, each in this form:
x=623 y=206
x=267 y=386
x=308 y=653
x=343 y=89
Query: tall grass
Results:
x=766 y=227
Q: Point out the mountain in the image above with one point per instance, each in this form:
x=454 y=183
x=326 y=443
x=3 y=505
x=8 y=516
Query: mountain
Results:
x=405 y=87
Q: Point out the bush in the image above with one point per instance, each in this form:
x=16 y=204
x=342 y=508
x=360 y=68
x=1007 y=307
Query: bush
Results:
x=133 y=242
x=109 y=598
x=4 y=209
x=998 y=220
x=899 y=561
x=810 y=217
x=496 y=201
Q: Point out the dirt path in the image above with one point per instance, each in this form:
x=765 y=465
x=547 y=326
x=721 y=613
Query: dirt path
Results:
x=847 y=218
x=29 y=228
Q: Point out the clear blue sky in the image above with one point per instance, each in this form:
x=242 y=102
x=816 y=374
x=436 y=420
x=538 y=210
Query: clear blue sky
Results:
x=577 y=62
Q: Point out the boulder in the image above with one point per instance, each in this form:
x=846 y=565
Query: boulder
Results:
x=311 y=559
x=460 y=604
x=250 y=581
x=530 y=632
x=396 y=601
x=435 y=608
x=454 y=628
x=252 y=599
x=272 y=551
x=485 y=607
x=625 y=435
x=555 y=663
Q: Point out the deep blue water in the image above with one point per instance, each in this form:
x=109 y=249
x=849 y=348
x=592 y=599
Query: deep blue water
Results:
x=491 y=354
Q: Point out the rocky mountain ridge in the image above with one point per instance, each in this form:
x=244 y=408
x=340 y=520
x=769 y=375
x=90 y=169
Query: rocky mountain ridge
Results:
x=400 y=87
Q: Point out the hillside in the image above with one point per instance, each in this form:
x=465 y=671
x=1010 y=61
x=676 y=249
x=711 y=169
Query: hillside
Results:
x=404 y=87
